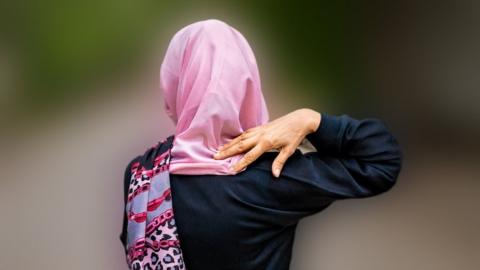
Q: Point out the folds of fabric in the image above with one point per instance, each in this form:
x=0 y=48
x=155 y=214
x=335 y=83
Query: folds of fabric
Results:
x=212 y=92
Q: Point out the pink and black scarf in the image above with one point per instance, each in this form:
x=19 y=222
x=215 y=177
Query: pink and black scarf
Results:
x=152 y=239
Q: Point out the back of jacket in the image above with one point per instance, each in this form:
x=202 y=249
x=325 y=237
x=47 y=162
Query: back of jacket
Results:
x=248 y=220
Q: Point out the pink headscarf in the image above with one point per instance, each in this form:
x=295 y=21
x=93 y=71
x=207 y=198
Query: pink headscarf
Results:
x=212 y=92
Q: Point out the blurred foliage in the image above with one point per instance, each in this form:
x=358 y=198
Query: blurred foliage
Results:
x=62 y=46
x=318 y=43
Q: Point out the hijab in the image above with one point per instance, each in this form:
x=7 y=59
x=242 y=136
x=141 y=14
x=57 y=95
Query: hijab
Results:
x=212 y=92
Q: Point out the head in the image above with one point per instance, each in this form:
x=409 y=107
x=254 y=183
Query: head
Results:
x=212 y=92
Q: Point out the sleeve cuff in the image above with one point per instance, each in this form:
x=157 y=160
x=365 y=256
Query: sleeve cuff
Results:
x=327 y=139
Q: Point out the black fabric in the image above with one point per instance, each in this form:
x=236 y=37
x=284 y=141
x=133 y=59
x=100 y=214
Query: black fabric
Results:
x=248 y=221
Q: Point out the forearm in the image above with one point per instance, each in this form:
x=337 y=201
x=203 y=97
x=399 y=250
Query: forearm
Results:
x=365 y=150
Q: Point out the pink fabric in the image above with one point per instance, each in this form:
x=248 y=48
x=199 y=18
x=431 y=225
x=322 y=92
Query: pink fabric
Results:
x=212 y=92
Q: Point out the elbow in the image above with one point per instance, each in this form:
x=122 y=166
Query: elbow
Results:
x=392 y=177
x=382 y=174
x=387 y=174
x=381 y=162
x=395 y=162
x=388 y=169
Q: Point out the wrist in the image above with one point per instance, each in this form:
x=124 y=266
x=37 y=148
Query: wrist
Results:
x=313 y=119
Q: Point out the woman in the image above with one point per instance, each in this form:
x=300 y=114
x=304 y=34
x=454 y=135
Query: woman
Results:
x=237 y=200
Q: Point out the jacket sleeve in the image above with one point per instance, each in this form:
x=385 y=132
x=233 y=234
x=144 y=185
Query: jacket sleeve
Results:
x=354 y=158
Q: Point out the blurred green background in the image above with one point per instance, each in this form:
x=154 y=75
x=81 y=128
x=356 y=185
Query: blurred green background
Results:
x=360 y=56
x=59 y=46
x=79 y=96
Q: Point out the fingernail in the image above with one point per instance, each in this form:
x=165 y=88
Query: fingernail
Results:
x=276 y=172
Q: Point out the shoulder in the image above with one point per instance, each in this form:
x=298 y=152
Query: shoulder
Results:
x=146 y=159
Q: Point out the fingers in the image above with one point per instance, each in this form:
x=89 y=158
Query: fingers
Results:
x=232 y=142
x=246 y=134
x=280 y=160
x=249 y=157
x=238 y=145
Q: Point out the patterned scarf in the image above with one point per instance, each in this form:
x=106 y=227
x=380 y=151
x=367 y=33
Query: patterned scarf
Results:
x=152 y=239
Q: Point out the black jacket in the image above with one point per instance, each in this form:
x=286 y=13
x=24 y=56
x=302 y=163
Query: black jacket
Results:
x=247 y=221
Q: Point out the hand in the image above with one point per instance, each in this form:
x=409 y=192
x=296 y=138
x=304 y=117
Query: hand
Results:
x=284 y=133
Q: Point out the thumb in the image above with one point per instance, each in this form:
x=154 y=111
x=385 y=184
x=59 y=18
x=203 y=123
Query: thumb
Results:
x=280 y=160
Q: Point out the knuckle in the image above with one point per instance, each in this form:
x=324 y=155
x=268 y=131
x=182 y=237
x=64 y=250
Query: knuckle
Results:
x=280 y=163
x=227 y=153
x=223 y=147
x=240 y=146
x=267 y=142
x=289 y=151
x=237 y=165
x=226 y=145
x=241 y=164
x=248 y=158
